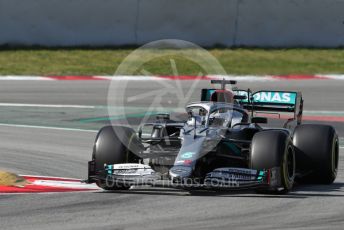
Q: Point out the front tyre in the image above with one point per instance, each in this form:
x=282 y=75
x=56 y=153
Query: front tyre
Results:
x=274 y=149
x=115 y=145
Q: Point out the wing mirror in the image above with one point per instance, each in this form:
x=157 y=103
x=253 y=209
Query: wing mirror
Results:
x=259 y=120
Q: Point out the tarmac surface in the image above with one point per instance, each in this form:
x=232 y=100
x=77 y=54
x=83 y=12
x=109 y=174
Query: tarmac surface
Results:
x=28 y=145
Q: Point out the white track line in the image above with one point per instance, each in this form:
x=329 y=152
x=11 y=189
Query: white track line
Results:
x=47 y=105
x=46 y=193
x=131 y=78
x=51 y=177
x=206 y=78
x=333 y=76
x=94 y=107
x=249 y=78
x=48 y=127
x=65 y=184
x=324 y=111
x=25 y=78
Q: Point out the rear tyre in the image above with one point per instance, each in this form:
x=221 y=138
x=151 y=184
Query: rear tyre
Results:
x=115 y=145
x=274 y=149
x=317 y=152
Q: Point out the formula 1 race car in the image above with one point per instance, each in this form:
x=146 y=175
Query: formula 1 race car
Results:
x=221 y=145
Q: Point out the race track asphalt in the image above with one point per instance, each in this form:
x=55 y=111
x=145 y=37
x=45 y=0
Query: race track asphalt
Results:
x=64 y=153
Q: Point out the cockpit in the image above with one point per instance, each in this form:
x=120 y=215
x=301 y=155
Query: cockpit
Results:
x=214 y=115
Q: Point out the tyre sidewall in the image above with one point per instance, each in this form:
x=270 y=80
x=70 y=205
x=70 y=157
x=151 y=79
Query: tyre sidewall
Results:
x=269 y=150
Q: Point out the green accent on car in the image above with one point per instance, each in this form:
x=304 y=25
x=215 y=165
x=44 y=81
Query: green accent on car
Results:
x=206 y=94
x=269 y=97
x=187 y=155
x=108 y=168
x=233 y=147
x=261 y=174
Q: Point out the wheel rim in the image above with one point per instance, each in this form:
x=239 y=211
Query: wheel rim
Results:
x=335 y=157
x=290 y=164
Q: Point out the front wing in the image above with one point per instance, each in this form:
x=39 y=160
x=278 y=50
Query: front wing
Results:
x=221 y=178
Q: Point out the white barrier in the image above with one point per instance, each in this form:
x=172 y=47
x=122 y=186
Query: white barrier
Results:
x=266 y=23
x=286 y=23
x=205 y=22
x=68 y=22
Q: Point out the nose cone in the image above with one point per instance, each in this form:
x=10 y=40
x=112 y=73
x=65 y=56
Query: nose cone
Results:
x=189 y=153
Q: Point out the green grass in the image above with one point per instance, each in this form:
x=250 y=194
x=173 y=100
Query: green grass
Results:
x=106 y=61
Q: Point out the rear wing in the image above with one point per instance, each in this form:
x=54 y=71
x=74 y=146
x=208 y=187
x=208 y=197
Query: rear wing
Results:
x=272 y=101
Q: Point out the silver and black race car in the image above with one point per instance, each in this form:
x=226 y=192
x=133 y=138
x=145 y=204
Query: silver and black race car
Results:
x=222 y=144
